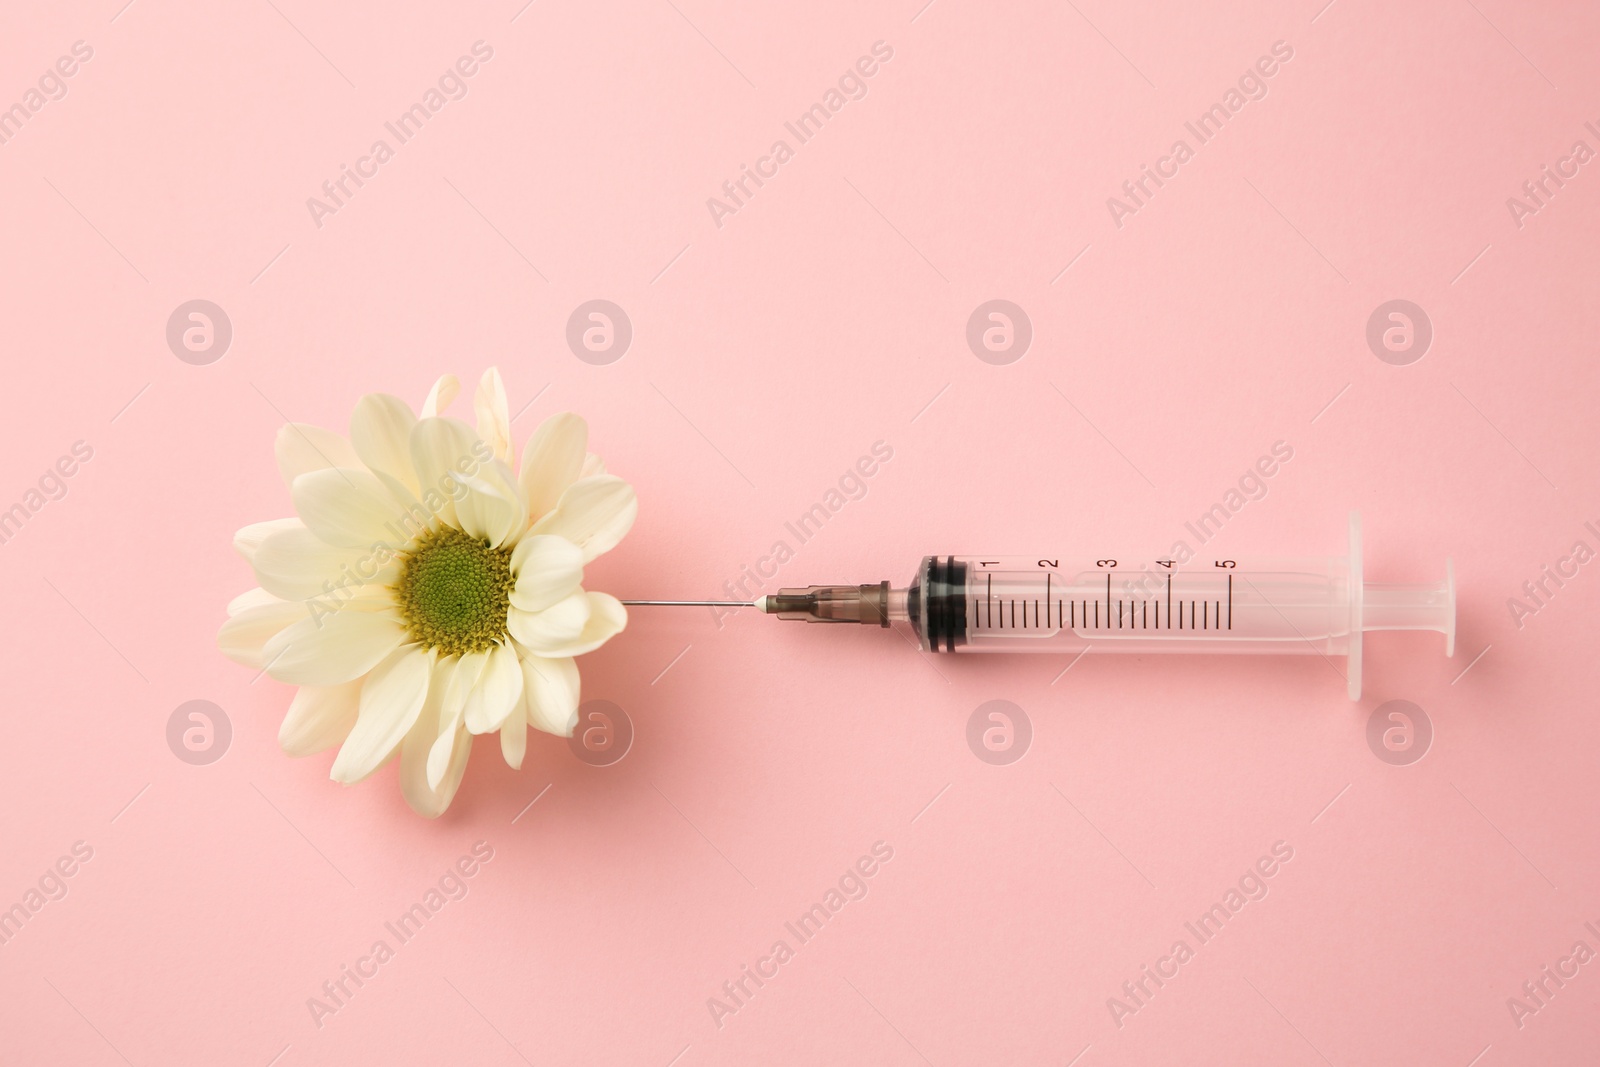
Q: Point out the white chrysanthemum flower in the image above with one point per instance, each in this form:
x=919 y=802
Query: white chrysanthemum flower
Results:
x=426 y=592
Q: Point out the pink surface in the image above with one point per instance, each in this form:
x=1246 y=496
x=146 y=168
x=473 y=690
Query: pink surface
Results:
x=769 y=353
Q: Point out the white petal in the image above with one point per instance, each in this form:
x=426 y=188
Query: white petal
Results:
x=347 y=507
x=380 y=430
x=243 y=638
x=412 y=518
x=548 y=632
x=419 y=743
x=428 y=799
x=607 y=618
x=440 y=755
x=319 y=717
x=547 y=569
x=491 y=507
x=550 y=691
x=451 y=709
x=443 y=451
x=424 y=799
x=251 y=598
x=453 y=704
x=494 y=418
x=497 y=694
x=441 y=395
x=302 y=448
x=391 y=699
x=594 y=514
x=249 y=539
x=514 y=738
x=295 y=564
x=330 y=649
x=552 y=460
x=592 y=465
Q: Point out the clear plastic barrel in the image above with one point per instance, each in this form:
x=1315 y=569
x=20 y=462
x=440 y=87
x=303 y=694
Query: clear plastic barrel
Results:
x=1314 y=605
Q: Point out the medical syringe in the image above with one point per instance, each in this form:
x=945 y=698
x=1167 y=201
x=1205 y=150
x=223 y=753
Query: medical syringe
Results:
x=1053 y=603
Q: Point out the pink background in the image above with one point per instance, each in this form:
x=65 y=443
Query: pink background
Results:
x=768 y=355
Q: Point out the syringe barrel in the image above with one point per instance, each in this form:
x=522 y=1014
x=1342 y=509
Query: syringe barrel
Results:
x=1052 y=604
x=1207 y=604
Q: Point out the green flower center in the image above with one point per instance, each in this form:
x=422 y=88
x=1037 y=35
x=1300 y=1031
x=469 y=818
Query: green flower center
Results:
x=454 y=591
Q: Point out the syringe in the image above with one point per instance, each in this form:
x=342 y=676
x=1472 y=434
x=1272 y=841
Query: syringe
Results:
x=1053 y=603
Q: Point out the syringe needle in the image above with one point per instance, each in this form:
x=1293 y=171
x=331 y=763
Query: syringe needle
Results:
x=691 y=603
